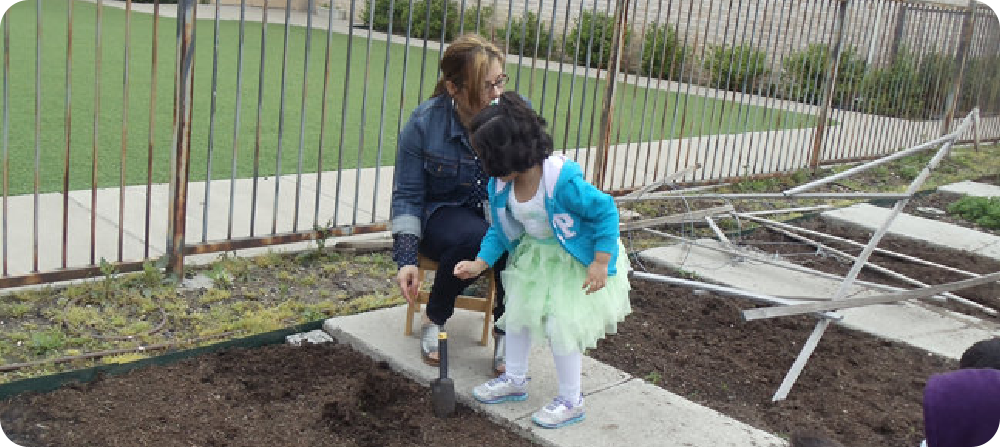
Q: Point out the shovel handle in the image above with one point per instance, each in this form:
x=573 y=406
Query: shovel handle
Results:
x=443 y=353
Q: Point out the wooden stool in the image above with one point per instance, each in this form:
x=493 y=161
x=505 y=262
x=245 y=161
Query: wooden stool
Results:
x=474 y=303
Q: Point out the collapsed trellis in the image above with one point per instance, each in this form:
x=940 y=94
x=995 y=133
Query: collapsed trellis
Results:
x=824 y=308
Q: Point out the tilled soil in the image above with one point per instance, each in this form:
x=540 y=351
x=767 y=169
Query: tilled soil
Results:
x=278 y=395
x=857 y=389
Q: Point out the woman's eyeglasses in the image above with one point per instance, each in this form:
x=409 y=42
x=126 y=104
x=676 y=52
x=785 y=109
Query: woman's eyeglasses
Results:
x=500 y=82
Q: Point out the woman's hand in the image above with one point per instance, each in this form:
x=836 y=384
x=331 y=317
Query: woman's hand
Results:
x=407 y=278
x=597 y=273
x=470 y=269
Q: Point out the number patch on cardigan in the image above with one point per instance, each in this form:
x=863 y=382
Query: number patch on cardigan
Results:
x=564 y=222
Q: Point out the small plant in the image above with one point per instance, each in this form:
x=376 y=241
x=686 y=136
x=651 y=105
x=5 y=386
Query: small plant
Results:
x=109 y=271
x=44 y=342
x=151 y=274
x=220 y=277
x=984 y=211
x=806 y=72
x=654 y=377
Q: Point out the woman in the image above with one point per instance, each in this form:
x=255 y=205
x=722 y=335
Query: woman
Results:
x=440 y=189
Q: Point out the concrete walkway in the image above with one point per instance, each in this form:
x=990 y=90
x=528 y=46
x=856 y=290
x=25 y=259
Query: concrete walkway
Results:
x=622 y=410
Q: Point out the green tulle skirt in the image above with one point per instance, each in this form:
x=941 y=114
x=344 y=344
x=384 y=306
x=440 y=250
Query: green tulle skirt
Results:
x=544 y=294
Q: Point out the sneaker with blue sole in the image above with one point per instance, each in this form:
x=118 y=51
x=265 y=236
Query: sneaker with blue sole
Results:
x=560 y=413
x=501 y=389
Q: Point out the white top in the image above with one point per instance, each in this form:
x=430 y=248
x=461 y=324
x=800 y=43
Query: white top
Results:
x=531 y=214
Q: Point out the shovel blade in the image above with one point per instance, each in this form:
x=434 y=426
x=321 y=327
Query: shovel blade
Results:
x=443 y=397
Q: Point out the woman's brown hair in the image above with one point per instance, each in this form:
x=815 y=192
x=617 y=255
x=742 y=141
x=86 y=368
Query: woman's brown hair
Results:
x=465 y=64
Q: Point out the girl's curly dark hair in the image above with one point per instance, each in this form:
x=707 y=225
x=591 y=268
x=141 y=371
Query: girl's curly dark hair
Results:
x=509 y=136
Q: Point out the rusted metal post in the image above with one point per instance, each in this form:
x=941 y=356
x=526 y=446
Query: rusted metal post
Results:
x=181 y=155
x=608 y=107
x=961 y=54
x=832 y=61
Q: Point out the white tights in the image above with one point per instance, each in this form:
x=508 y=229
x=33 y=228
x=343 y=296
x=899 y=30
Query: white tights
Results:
x=568 y=367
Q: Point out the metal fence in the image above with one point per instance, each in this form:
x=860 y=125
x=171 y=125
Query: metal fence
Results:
x=136 y=134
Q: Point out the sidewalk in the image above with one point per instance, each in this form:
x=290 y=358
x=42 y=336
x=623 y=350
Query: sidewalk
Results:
x=622 y=410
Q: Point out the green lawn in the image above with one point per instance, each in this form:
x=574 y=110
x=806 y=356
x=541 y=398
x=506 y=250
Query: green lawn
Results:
x=704 y=116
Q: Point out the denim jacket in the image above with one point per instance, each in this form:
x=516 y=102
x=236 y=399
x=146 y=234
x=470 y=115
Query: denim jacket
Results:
x=435 y=165
x=583 y=218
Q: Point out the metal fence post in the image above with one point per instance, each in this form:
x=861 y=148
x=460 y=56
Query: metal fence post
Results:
x=608 y=106
x=832 y=61
x=180 y=157
x=961 y=54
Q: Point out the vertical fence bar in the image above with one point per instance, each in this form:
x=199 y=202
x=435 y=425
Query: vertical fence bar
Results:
x=586 y=78
x=461 y=19
x=423 y=60
x=381 y=120
x=534 y=53
x=968 y=25
x=607 y=109
x=123 y=169
x=364 y=112
x=847 y=96
x=343 y=110
x=38 y=131
x=322 y=113
x=302 y=119
x=735 y=148
x=97 y=116
x=6 y=136
x=68 y=120
x=833 y=61
x=613 y=146
x=645 y=99
x=260 y=107
x=181 y=153
x=687 y=93
x=406 y=60
x=656 y=95
x=211 y=127
x=572 y=85
x=520 y=50
x=150 y=142
x=778 y=117
x=236 y=118
x=768 y=112
x=559 y=78
x=705 y=129
x=678 y=107
x=281 y=123
x=672 y=69
x=597 y=84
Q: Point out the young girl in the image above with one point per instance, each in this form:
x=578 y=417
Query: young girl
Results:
x=566 y=277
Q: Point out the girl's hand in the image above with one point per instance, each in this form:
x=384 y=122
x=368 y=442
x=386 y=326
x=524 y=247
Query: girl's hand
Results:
x=469 y=269
x=597 y=273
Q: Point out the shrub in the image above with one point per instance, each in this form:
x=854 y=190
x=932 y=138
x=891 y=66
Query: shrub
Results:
x=736 y=68
x=529 y=26
x=662 y=53
x=984 y=211
x=936 y=74
x=419 y=28
x=805 y=74
x=895 y=90
x=980 y=86
x=591 y=27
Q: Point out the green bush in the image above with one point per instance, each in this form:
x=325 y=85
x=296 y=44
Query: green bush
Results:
x=984 y=211
x=980 y=86
x=662 y=53
x=529 y=26
x=419 y=29
x=896 y=90
x=805 y=74
x=590 y=28
x=936 y=74
x=736 y=68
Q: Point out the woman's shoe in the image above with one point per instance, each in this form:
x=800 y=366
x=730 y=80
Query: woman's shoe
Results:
x=429 y=343
x=499 y=353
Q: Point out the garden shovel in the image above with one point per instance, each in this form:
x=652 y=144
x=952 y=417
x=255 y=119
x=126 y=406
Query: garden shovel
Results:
x=443 y=388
